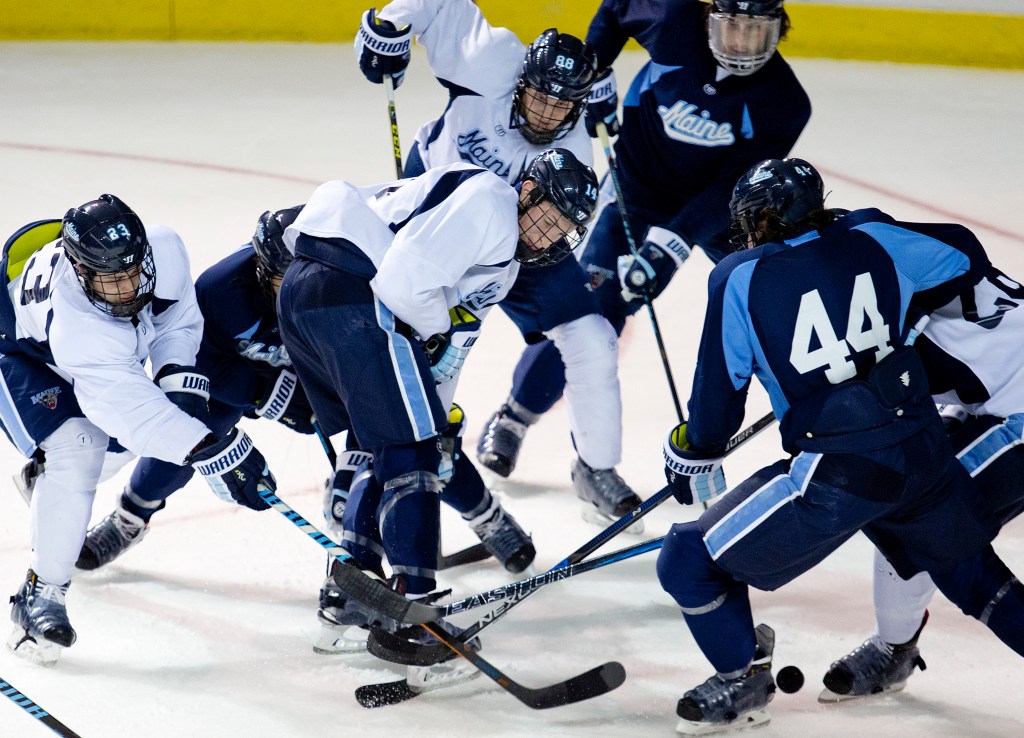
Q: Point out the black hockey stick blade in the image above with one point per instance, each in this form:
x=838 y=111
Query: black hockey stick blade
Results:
x=385 y=693
x=469 y=555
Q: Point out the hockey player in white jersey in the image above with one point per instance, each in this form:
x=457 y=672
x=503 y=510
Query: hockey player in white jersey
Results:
x=973 y=350
x=382 y=304
x=507 y=103
x=83 y=311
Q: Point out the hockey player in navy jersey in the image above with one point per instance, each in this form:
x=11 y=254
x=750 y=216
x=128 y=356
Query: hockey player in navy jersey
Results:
x=714 y=99
x=817 y=309
x=383 y=303
x=973 y=351
x=89 y=299
x=507 y=103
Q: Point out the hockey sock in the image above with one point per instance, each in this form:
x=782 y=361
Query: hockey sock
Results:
x=538 y=380
x=465 y=491
x=1005 y=615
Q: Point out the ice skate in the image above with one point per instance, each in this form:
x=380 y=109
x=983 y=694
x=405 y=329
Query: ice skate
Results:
x=606 y=497
x=720 y=705
x=25 y=480
x=438 y=676
x=499 y=444
x=40 y=616
x=502 y=536
x=342 y=625
x=110 y=538
x=874 y=667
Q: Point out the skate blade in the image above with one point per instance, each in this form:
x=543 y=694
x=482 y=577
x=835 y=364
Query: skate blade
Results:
x=747 y=720
x=24 y=646
x=333 y=640
x=592 y=515
x=438 y=676
x=828 y=697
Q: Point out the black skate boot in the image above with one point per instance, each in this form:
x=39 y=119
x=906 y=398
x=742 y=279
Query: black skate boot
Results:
x=874 y=667
x=499 y=444
x=344 y=622
x=41 y=621
x=606 y=497
x=502 y=536
x=720 y=704
x=110 y=538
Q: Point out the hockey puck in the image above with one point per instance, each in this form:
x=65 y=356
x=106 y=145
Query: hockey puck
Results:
x=790 y=679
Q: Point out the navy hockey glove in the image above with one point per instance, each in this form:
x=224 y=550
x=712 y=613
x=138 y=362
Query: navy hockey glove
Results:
x=692 y=475
x=336 y=497
x=188 y=388
x=382 y=49
x=285 y=401
x=603 y=105
x=447 y=351
x=235 y=469
x=662 y=252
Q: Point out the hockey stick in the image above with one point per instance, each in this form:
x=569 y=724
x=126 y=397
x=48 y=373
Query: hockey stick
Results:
x=470 y=555
x=602 y=132
x=382 y=694
x=394 y=606
x=595 y=682
x=36 y=711
x=389 y=88
x=332 y=455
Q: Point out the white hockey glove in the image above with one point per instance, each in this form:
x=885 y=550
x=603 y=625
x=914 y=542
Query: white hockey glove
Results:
x=235 y=469
x=451 y=443
x=447 y=351
x=382 y=49
x=662 y=252
x=338 y=488
x=692 y=475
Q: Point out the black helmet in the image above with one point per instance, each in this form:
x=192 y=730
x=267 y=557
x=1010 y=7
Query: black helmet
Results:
x=571 y=186
x=775 y=196
x=758 y=23
x=556 y=65
x=272 y=256
x=104 y=236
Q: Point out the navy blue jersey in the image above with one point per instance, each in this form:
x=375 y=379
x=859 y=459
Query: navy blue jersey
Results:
x=687 y=136
x=807 y=315
x=242 y=352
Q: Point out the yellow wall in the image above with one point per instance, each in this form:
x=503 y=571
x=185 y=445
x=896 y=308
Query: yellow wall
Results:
x=891 y=34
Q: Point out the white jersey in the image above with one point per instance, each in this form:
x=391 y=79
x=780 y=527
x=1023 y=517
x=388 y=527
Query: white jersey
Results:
x=445 y=238
x=981 y=334
x=103 y=356
x=479 y=64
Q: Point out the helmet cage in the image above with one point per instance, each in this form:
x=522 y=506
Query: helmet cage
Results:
x=104 y=239
x=272 y=256
x=561 y=246
x=742 y=43
x=558 y=69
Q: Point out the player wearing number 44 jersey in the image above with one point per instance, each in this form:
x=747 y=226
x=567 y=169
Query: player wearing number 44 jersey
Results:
x=89 y=299
x=817 y=309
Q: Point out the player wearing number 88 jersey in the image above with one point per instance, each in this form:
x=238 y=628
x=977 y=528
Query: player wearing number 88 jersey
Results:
x=818 y=308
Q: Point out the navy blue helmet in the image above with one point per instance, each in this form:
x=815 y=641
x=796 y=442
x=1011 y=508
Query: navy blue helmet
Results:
x=105 y=237
x=774 y=199
x=272 y=256
x=557 y=65
x=571 y=186
x=743 y=34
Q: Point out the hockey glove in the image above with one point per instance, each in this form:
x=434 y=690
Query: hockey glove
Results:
x=235 y=469
x=451 y=443
x=692 y=475
x=447 y=351
x=603 y=105
x=187 y=388
x=649 y=271
x=338 y=489
x=382 y=49
x=285 y=401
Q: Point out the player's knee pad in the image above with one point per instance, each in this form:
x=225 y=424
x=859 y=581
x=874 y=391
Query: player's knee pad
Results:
x=391 y=462
x=974 y=585
x=589 y=349
x=75 y=454
x=687 y=572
